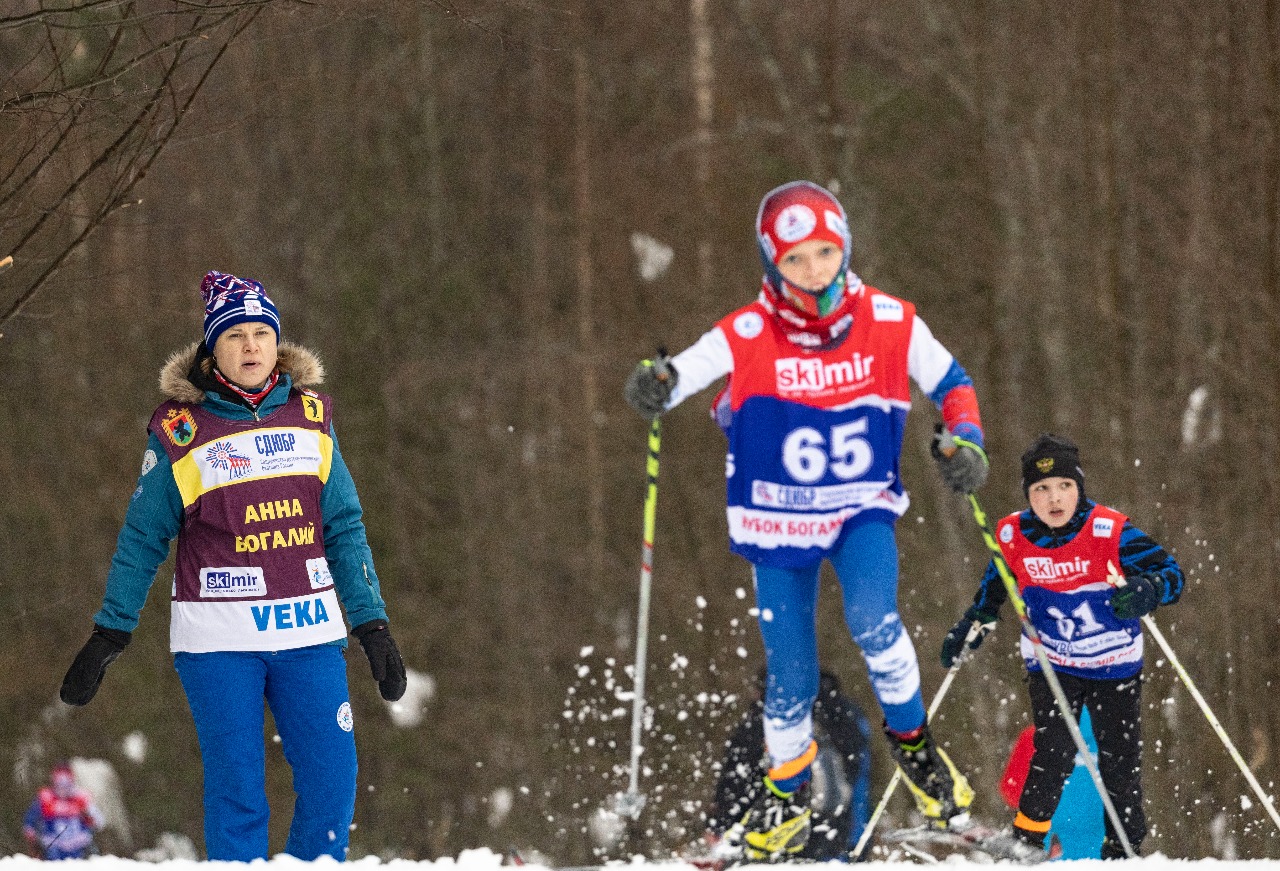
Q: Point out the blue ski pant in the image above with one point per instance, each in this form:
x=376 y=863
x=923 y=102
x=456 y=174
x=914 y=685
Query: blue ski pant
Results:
x=866 y=562
x=306 y=690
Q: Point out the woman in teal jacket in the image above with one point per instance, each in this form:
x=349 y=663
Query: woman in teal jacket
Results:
x=242 y=467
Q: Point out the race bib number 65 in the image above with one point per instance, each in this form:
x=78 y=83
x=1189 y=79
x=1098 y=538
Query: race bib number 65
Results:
x=807 y=454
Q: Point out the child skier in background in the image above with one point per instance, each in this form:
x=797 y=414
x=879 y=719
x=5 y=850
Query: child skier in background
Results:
x=815 y=410
x=1060 y=550
x=61 y=821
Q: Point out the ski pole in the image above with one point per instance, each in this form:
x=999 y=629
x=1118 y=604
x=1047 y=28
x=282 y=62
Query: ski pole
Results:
x=631 y=803
x=897 y=772
x=1050 y=676
x=1117 y=580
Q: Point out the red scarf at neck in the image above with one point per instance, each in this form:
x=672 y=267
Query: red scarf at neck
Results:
x=253 y=397
x=817 y=334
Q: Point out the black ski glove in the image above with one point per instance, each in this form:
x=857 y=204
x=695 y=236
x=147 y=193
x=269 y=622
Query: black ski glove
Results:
x=384 y=658
x=649 y=386
x=962 y=463
x=85 y=675
x=953 y=645
x=1138 y=597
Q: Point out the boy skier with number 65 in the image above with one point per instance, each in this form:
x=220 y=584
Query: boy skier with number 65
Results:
x=815 y=410
x=1067 y=554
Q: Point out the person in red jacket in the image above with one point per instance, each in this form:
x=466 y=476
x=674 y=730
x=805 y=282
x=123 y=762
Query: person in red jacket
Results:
x=61 y=821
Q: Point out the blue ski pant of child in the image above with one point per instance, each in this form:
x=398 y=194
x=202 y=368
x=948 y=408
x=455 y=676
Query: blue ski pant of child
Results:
x=866 y=562
x=306 y=689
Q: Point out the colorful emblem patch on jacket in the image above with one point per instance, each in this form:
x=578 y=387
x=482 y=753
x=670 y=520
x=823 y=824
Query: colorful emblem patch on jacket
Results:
x=223 y=456
x=179 y=426
x=313 y=408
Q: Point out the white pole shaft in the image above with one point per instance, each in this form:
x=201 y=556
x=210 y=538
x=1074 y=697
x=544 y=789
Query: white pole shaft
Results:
x=1213 y=721
x=1118 y=580
x=633 y=800
x=642 y=647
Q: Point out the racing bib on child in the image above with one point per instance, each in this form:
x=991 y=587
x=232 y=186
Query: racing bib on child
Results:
x=814 y=436
x=1069 y=598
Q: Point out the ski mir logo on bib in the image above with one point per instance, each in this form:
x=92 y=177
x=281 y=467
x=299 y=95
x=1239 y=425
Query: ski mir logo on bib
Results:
x=1043 y=568
x=807 y=374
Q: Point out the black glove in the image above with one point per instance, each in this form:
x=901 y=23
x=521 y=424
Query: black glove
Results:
x=649 y=386
x=962 y=463
x=85 y=675
x=1138 y=597
x=384 y=658
x=953 y=645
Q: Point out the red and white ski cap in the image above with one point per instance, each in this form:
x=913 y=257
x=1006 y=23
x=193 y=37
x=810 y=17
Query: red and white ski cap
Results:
x=797 y=212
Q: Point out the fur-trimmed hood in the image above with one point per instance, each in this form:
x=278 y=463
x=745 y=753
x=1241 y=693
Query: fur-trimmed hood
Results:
x=297 y=362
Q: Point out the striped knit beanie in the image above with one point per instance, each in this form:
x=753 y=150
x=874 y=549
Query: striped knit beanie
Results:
x=229 y=300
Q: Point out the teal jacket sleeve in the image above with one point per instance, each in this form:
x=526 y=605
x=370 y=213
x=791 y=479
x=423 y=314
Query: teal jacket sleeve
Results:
x=152 y=521
x=346 y=546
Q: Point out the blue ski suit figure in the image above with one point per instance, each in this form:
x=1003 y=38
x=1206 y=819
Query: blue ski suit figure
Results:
x=242 y=467
x=61 y=821
x=819 y=369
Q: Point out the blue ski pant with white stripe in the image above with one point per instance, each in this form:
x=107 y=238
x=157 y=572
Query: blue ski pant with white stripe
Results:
x=306 y=689
x=866 y=562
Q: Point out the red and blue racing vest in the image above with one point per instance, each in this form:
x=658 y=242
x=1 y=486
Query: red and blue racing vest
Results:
x=815 y=436
x=1069 y=598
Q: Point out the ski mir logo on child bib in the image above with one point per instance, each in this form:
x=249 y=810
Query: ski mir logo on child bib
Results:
x=811 y=374
x=1046 y=570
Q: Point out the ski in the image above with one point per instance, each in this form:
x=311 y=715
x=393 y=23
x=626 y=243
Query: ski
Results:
x=993 y=842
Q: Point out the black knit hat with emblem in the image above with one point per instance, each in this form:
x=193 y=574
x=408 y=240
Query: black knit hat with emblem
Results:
x=1051 y=456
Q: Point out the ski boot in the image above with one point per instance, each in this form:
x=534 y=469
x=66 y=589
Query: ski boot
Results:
x=942 y=793
x=778 y=823
x=1019 y=844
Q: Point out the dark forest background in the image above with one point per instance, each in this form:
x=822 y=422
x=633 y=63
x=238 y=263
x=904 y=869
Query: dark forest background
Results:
x=1083 y=200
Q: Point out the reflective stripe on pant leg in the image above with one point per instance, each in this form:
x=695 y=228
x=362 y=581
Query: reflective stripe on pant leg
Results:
x=787 y=601
x=224 y=691
x=866 y=561
x=307 y=692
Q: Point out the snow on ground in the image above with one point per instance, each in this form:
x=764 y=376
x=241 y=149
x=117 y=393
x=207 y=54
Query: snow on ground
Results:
x=486 y=860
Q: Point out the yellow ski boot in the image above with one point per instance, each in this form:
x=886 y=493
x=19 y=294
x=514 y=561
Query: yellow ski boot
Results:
x=942 y=793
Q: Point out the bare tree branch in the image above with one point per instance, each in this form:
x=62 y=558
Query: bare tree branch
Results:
x=65 y=92
x=135 y=163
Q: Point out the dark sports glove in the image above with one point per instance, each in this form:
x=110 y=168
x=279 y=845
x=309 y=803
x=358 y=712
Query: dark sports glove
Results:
x=85 y=675
x=1138 y=597
x=962 y=463
x=384 y=658
x=953 y=645
x=649 y=386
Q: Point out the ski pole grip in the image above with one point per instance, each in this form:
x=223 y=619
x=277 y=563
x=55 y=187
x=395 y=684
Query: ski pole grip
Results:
x=1114 y=577
x=661 y=369
x=943 y=442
